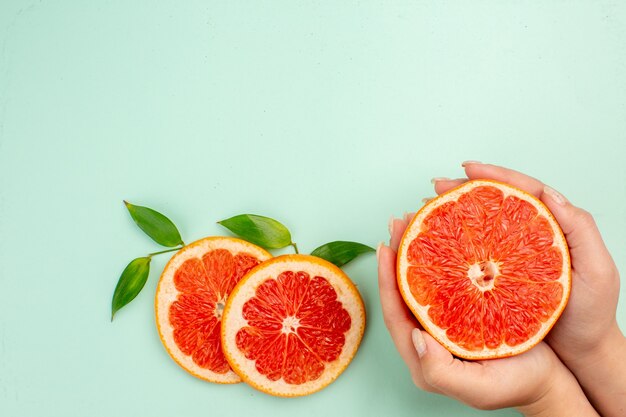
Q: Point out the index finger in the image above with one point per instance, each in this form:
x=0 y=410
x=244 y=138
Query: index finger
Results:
x=477 y=170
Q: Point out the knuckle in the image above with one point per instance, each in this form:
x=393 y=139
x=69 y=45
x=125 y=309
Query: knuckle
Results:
x=435 y=379
x=585 y=218
x=428 y=388
x=418 y=380
x=484 y=403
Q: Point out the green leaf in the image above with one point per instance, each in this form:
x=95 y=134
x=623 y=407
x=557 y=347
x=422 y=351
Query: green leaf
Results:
x=130 y=283
x=154 y=224
x=263 y=231
x=341 y=252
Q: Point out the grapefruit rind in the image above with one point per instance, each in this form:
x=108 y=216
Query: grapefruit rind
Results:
x=233 y=320
x=421 y=311
x=167 y=293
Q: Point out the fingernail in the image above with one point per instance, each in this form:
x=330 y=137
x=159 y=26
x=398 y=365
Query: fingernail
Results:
x=418 y=342
x=407 y=217
x=466 y=163
x=380 y=245
x=390 y=225
x=555 y=195
x=434 y=180
x=427 y=199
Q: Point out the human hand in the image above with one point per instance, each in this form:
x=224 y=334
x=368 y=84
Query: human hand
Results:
x=586 y=337
x=535 y=382
x=590 y=314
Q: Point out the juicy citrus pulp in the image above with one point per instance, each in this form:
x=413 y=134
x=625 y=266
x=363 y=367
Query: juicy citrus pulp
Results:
x=485 y=269
x=190 y=299
x=292 y=325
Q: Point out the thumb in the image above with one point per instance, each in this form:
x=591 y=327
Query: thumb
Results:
x=587 y=249
x=463 y=380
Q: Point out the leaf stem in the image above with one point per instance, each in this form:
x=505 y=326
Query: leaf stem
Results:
x=150 y=255
x=295 y=247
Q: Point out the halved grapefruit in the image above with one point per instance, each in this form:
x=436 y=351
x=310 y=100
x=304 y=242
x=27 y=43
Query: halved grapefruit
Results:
x=190 y=300
x=292 y=325
x=485 y=268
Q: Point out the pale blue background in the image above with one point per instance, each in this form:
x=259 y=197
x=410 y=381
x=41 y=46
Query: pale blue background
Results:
x=329 y=116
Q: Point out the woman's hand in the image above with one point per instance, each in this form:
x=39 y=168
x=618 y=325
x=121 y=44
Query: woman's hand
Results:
x=590 y=314
x=586 y=337
x=535 y=382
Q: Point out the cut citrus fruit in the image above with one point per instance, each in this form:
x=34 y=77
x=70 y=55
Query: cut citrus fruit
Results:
x=292 y=325
x=485 y=268
x=190 y=299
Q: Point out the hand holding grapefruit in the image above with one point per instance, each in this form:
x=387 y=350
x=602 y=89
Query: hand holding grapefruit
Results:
x=588 y=330
x=485 y=269
x=587 y=325
x=520 y=381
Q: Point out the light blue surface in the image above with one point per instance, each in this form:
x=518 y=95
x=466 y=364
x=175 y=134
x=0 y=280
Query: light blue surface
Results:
x=329 y=116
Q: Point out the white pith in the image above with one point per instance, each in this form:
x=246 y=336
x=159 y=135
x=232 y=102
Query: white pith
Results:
x=290 y=324
x=421 y=312
x=233 y=320
x=219 y=306
x=476 y=274
x=167 y=294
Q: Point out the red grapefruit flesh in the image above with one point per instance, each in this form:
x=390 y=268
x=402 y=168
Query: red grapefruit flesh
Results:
x=485 y=268
x=292 y=325
x=190 y=299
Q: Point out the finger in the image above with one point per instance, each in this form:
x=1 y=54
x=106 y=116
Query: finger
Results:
x=396 y=230
x=398 y=318
x=488 y=384
x=443 y=185
x=589 y=254
x=485 y=384
x=465 y=381
x=590 y=257
x=477 y=170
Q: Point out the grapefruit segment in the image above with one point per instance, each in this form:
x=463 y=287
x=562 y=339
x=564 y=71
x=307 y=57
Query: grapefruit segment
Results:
x=190 y=300
x=292 y=325
x=485 y=269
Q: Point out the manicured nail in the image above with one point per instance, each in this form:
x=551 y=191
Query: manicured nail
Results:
x=434 y=180
x=418 y=342
x=380 y=245
x=555 y=195
x=466 y=163
x=391 y=219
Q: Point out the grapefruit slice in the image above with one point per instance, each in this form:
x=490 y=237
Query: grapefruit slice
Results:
x=485 y=268
x=190 y=299
x=292 y=325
